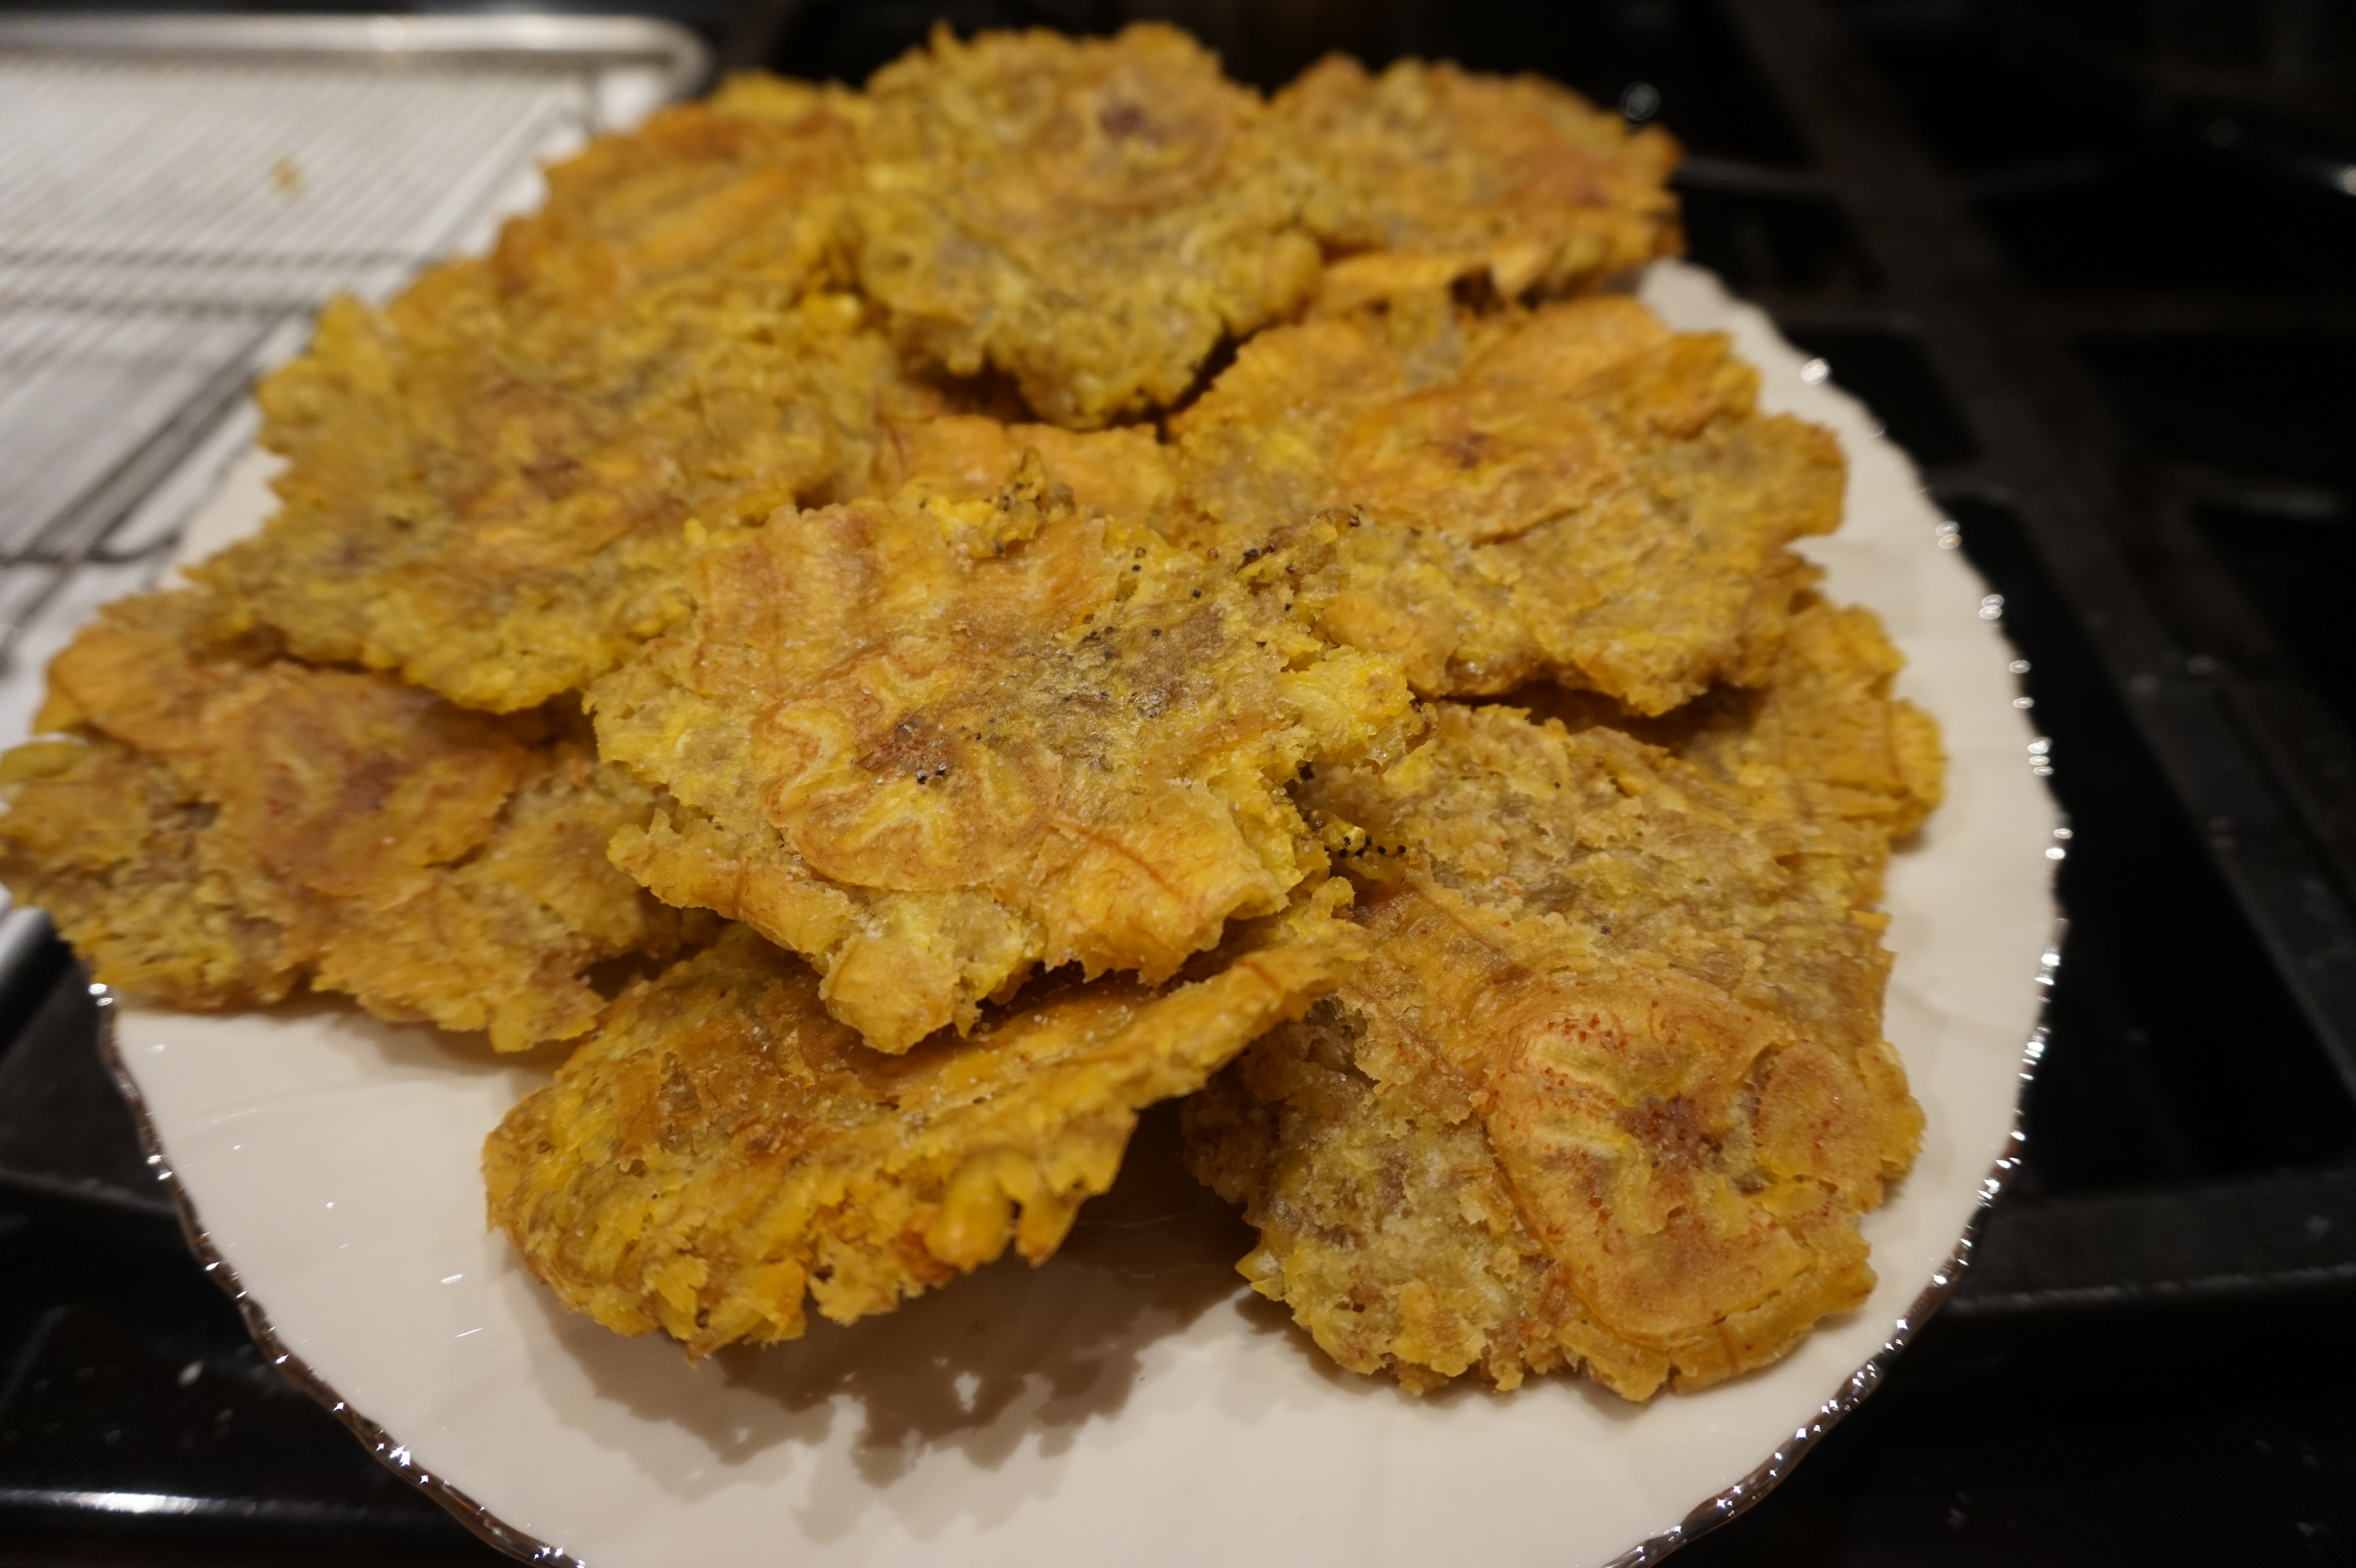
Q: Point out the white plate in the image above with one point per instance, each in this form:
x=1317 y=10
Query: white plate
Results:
x=1131 y=1399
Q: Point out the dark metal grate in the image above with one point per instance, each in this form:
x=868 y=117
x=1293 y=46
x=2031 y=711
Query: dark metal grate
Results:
x=2217 y=920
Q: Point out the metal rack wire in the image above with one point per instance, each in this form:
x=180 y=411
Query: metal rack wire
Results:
x=161 y=223
x=178 y=196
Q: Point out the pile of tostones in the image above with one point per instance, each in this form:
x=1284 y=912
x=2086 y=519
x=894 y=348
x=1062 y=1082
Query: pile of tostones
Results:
x=914 y=624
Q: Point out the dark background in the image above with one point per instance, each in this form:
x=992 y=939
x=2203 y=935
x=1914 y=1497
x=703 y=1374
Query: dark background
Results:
x=2094 y=264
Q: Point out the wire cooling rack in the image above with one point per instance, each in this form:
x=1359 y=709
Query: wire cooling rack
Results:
x=178 y=195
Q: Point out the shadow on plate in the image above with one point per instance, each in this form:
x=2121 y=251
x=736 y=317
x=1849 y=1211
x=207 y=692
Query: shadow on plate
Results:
x=1008 y=1359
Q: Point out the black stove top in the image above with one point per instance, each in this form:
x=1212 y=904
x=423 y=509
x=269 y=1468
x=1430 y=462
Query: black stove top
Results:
x=2094 y=262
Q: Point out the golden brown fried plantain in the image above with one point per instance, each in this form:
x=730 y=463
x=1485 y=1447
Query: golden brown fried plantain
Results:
x=486 y=481
x=723 y=1146
x=931 y=744
x=1576 y=494
x=1825 y=733
x=1090 y=217
x=1611 y=1090
x=1428 y=174
x=1867 y=764
x=221 y=826
x=1124 y=472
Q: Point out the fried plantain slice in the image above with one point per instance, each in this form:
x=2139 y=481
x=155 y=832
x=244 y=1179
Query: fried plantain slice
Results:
x=931 y=744
x=1124 y=472
x=1428 y=174
x=1863 y=764
x=722 y=1148
x=220 y=825
x=486 y=479
x=1867 y=764
x=1612 y=1091
x=1574 y=493
x=1090 y=217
